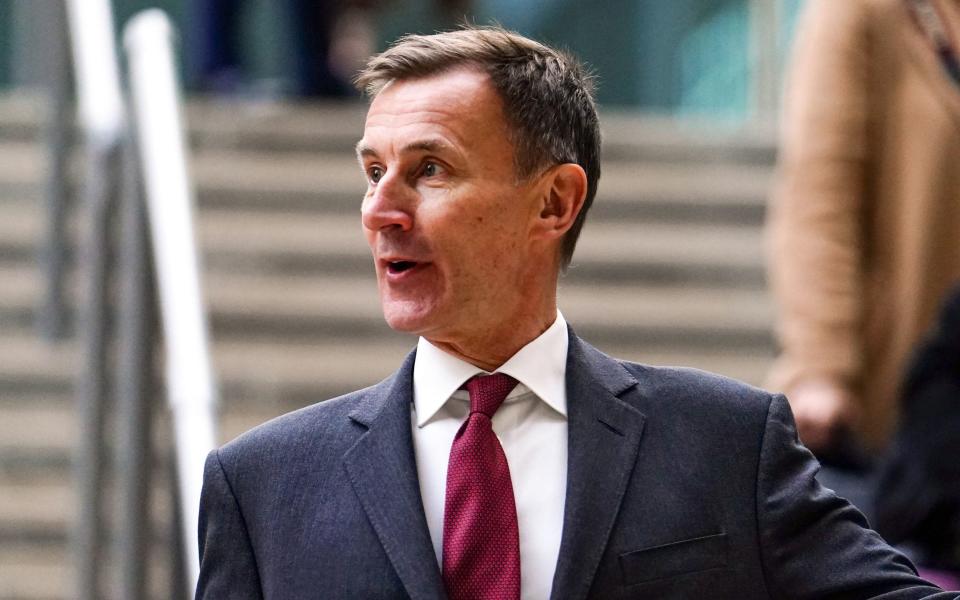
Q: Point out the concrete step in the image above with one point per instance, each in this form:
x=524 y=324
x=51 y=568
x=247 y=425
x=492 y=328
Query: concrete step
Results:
x=42 y=512
x=31 y=573
x=50 y=424
x=627 y=135
x=37 y=508
x=332 y=182
x=38 y=502
x=30 y=366
x=23 y=114
x=246 y=306
x=274 y=377
x=23 y=167
x=262 y=181
x=324 y=126
x=632 y=137
x=611 y=252
x=313 y=308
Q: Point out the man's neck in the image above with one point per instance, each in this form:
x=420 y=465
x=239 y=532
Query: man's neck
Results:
x=489 y=349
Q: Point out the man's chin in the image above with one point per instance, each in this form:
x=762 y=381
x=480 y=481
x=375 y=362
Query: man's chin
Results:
x=404 y=320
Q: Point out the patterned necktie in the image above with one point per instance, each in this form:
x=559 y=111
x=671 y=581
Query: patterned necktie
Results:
x=481 y=541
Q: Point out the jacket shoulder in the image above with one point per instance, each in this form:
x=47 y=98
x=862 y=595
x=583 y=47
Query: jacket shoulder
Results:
x=699 y=392
x=324 y=424
x=658 y=389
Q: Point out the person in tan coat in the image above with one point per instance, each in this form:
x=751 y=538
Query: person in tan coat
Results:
x=864 y=227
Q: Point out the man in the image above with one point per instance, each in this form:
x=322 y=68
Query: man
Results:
x=595 y=478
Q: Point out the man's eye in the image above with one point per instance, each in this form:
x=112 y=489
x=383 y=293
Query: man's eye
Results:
x=431 y=169
x=375 y=174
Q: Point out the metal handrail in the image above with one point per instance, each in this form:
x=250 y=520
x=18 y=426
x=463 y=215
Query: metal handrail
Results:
x=99 y=96
x=102 y=121
x=154 y=87
x=113 y=176
x=51 y=313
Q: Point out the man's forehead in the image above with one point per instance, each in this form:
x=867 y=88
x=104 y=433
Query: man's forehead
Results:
x=454 y=92
x=432 y=114
x=465 y=72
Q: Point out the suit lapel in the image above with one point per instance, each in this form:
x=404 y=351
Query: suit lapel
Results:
x=382 y=469
x=604 y=437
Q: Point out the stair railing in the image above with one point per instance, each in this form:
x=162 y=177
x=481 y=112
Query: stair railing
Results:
x=112 y=180
x=51 y=311
x=103 y=124
x=156 y=109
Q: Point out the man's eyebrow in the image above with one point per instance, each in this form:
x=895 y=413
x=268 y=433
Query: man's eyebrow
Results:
x=364 y=150
x=426 y=146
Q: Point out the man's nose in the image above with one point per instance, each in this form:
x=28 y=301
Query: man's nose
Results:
x=388 y=205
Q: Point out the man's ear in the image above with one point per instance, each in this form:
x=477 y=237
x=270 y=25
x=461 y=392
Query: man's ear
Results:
x=563 y=190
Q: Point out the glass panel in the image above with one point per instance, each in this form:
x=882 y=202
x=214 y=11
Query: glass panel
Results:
x=6 y=52
x=714 y=63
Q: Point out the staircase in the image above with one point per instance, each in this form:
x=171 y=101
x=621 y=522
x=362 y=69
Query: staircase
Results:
x=668 y=271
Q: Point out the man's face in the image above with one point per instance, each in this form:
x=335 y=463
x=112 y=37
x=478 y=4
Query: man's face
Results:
x=448 y=225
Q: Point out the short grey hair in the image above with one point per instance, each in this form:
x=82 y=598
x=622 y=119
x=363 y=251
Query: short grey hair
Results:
x=547 y=96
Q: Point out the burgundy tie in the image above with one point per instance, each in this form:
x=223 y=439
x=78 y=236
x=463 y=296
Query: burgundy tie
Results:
x=481 y=542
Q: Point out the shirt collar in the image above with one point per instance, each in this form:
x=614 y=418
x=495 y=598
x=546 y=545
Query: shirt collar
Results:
x=540 y=366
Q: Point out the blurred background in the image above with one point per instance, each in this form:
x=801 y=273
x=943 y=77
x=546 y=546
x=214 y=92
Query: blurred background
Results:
x=669 y=269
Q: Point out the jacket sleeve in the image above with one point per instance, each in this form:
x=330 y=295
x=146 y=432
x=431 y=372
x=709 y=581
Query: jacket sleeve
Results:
x=815 y=245
x=814 y=544
x=228 y=567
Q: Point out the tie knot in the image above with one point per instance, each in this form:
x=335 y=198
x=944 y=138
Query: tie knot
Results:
x=487 y=392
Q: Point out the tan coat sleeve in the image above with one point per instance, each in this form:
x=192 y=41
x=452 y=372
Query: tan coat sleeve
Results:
x=815 y=228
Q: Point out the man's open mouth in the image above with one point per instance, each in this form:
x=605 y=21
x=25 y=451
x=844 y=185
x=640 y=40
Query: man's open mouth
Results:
x=399 y=266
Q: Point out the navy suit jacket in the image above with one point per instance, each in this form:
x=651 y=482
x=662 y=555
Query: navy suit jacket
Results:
x=681 y=484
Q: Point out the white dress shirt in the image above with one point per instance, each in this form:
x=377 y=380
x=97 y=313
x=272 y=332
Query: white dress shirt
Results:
x=532 y=427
